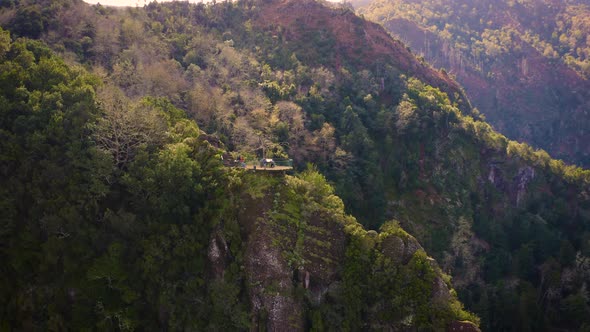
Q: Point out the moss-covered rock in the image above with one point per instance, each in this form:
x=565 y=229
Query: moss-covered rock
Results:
x=309 y=265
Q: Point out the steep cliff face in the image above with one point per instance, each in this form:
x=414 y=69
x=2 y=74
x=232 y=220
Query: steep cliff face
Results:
x=307 y=265
x=529 y=79
x=509 y=223
x=169 y=237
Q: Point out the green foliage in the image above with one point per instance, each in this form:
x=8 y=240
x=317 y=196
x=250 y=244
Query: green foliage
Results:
x=28 y=22
x=228 y=311
x=52 y=180
x=4 y=42
x=506 y=61
x=118 y=248
x=114 y=243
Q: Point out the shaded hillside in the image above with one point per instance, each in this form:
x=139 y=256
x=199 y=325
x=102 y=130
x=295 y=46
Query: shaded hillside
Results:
x=509 y=223
x=119 y=215
x=524 y=64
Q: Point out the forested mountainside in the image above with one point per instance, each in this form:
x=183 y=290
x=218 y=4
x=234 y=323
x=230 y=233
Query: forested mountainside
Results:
x=524 y=64
x=119 y=214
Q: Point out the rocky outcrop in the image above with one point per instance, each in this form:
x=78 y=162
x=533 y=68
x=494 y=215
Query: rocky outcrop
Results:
x=269 y=279
x=273 y=282
x=270 y=285
x=521 y=180
x=399 y=249
x=218 y=255
x=325 y=243
x=295 y=251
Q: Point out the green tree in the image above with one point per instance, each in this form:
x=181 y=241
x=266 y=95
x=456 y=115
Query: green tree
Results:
x=29 y=22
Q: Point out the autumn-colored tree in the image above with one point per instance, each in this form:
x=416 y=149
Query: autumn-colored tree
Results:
x=126 y=128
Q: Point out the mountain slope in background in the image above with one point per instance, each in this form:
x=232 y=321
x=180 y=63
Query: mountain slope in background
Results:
x=351 y=38
x=398 y=141
x=524 y=64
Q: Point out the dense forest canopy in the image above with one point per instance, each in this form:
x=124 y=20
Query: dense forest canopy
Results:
x=524 y=64
x=117 y=205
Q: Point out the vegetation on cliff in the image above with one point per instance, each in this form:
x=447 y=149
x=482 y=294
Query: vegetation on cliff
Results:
x=118 y=215
x=524 y=64
x=150 y=224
